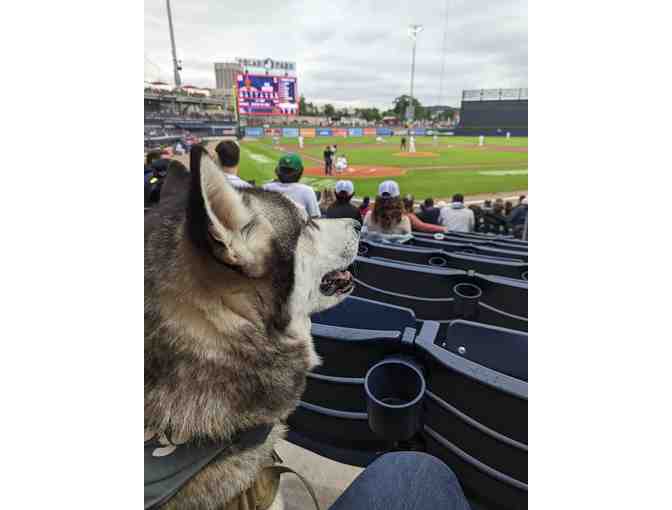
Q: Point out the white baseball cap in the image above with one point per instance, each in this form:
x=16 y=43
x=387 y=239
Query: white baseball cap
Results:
x=346 y=186
x=389 y=189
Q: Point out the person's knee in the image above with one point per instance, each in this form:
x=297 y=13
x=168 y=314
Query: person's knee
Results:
x=414 y=462
x=394 y=479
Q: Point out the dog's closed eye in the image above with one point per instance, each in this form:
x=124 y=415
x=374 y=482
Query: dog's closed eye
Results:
x=247 y=230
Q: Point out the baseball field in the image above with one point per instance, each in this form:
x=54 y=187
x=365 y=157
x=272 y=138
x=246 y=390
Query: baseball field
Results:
x=437 y=169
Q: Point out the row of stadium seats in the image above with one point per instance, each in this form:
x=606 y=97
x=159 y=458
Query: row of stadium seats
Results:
x=443 y=333
x=502 y=242
x=443 y=294
x=437 y=257
x=459 y=393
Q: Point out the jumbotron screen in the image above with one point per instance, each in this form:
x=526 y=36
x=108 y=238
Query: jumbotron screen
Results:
x=266 y=95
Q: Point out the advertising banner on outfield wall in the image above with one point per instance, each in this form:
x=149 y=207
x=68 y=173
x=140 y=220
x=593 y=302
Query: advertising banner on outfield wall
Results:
x=418 y=131
x=290 y=132
x=323 y=132
x=384 y=131
x=307 y=132
x=273 y=132
x=254 y=131
x=340 y=132
x=355 y=132
x=369 y=131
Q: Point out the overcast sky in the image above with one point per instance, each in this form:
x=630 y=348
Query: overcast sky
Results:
x=348 y=52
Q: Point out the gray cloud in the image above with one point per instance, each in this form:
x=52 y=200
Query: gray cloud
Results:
x=349 y=52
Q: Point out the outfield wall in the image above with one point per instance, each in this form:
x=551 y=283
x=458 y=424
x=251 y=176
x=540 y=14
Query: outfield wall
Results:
x=292 y=132
x=260 y=132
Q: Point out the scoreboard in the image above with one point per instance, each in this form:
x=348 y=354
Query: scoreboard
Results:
x=266 y=95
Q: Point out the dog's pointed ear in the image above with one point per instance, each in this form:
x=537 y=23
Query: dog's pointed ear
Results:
x=222 y=204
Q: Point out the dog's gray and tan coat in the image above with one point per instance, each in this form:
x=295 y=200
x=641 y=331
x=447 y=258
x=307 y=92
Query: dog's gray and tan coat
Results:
x=231 y=278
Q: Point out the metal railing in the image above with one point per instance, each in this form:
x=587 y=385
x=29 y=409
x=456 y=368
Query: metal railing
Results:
x=495 y=95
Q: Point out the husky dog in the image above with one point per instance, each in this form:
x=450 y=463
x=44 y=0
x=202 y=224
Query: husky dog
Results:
x=231 y=279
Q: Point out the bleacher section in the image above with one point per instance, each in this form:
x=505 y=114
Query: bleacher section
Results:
x=429 y=354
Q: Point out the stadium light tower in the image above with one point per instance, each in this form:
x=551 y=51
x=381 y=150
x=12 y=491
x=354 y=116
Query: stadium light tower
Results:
x=413 y=31
x=176 y=64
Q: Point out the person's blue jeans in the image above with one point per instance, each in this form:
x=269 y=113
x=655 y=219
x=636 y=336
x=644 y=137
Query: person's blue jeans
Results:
x=404 y=481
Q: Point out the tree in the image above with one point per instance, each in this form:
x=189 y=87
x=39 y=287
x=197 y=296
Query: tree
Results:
x=368 y=114
x=402 y=102
x=302 y=106
x=329 y=110
x=446 y=114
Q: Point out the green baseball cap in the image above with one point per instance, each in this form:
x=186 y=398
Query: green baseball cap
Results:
x=291 y=161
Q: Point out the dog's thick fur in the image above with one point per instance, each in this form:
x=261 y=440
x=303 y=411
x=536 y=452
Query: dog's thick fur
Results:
x=231 y=278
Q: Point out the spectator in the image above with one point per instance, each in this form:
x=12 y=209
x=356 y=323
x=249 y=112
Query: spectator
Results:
x=387 y=217
x=327 y=199
x=156 y=169
x=494 y=221
x=518 y=219
x=456 y=217
x=289 y=171
x=364 y=206
x=416 y=223
x=508 y=207
x=478 y=218
x=428 y=213
x=228 y=157
x=343 y=208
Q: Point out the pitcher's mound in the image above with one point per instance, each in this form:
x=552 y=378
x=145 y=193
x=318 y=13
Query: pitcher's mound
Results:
x=358 y=171
x=416 y=154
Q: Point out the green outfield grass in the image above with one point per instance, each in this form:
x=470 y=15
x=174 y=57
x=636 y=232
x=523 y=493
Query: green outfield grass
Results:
x=463 y=167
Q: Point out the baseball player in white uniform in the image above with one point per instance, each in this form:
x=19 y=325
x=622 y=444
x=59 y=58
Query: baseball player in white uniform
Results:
x=411 y=144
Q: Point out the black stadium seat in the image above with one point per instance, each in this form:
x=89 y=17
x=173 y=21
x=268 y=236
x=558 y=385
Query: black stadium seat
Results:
x=484 y=264
x=467 y=247
x=506 y=242
x=473 y=412
x=443 y=294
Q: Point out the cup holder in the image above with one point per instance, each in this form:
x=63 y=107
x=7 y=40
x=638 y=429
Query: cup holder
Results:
x=437 y=261
x=394 y=390
x=524 y=276
x=466 y=300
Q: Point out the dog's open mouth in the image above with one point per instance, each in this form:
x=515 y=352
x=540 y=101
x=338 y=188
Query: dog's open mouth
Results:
x=336 y=282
